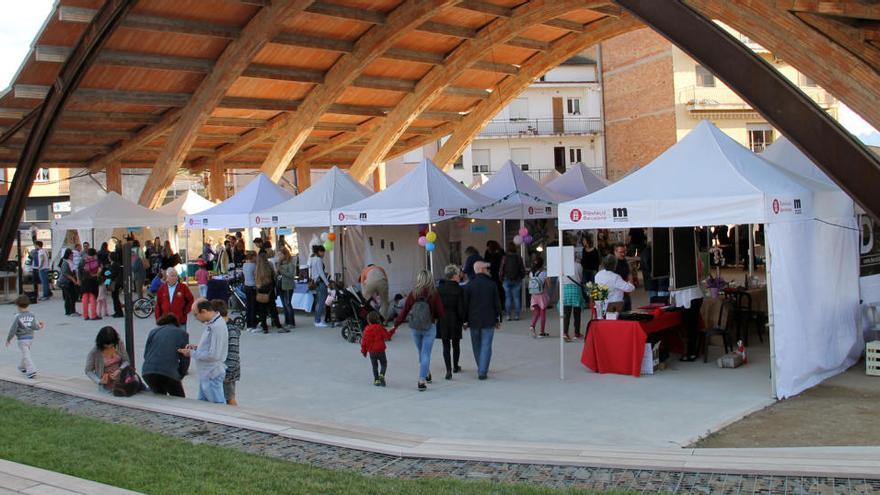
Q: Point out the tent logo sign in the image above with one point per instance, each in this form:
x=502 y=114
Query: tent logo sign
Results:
x=575 y=215
x=341 y=217
x=620 y=214
x=362 y=217
x=793 y=206
x=797 y=207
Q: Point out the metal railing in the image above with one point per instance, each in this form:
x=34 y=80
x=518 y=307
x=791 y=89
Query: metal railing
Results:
x=537 y=174
x=542 y=127
x=722 y=98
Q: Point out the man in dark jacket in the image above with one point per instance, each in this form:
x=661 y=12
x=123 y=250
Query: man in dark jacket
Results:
x=482 y=309
x=164 y=367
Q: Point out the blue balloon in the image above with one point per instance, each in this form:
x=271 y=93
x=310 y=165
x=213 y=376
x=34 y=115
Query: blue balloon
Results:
x=429 y=246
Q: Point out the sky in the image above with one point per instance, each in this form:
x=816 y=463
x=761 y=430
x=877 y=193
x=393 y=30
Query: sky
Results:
x=22 y=20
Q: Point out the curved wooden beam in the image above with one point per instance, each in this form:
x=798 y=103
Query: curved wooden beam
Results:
x=431 y=86
x=512 y=86
x=368 y=48
x=101 y=27
x=235 y=59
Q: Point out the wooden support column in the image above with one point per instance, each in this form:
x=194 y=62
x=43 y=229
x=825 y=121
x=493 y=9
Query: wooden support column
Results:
x=512 y=86
x=303 y=177
x=237 y=56
x=432 y=85
x=114 y=178
x=379 y=177
x=367 y=49
x=217 y=181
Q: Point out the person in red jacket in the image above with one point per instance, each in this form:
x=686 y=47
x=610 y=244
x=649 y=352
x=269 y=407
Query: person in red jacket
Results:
x=373 y=342
x=173 y=297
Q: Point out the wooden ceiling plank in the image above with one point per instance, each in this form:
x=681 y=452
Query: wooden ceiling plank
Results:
x=849 y=37
x=262 y=27
x=338 y=141
x=321 y=99
x=856 y=9
x=142 y=138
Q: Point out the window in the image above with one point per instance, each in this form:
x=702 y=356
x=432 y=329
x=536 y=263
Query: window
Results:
x=705 y=78
x=806 y=81
x=414 y=156
x=760 y=136
x=521 y=157
x=459 y=163
x=518 y=109
x=524 y=167
x=573 y=106
x=575 y=155
x=42 y=175
x=481 y=161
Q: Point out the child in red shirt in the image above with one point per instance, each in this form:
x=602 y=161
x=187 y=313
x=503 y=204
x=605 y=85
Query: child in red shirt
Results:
x=373 y=342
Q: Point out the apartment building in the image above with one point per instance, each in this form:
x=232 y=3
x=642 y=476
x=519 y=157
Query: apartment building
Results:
x=49 y=197
x=654 y=94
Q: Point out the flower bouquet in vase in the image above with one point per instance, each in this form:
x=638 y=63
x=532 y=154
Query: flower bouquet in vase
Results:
x=715 y=285
x=599 y=295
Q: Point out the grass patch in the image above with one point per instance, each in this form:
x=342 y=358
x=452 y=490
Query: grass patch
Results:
x=132 y=458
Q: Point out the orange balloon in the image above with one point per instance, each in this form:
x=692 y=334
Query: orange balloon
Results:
x=331 y=236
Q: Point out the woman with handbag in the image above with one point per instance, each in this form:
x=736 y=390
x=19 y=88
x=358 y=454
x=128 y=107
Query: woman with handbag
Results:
x=318 y=282
x=264 y=278
x=287 y=274
x=106 y=360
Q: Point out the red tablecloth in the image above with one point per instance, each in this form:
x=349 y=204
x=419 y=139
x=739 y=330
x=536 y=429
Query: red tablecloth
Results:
x=618 y=346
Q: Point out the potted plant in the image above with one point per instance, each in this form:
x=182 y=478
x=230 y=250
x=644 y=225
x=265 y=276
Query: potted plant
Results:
x=598 y=294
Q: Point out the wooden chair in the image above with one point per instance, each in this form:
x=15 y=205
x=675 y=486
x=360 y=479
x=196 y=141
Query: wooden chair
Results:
x=724 y=314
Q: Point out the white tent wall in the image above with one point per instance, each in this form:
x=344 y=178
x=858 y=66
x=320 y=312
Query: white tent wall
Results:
x=815 y=301
x=474 y=234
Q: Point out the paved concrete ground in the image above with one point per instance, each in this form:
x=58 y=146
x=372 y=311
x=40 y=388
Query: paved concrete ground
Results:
x=312 y=374
x=20 y=479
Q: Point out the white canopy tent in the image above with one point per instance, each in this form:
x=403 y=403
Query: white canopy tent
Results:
x=313 y=208
x=550 y=177
x=576 y=182
x=188 y=203
x=424 y=196
x=516 y=196
x=237 y=210
x=709 y=179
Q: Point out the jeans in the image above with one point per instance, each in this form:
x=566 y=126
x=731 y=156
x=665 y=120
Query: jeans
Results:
x=289 y=317
x=27 y=364
x=481 y=340
x=377 y=359
x=203 y=290
x=424 y=340
x=250 y=300
x=513 y=297
x=320 y=298
x=44 y=279
x=211 y=389
x=163 y=385
x=68 y=292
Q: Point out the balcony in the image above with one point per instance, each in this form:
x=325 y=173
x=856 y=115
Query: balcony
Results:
x=720 y=99
x=569 y=126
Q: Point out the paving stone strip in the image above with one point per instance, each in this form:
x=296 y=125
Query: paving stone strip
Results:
x=373 y=464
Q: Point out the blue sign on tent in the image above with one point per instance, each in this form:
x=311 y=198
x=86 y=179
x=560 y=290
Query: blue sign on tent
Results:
x=283 y=231
x=479 y=229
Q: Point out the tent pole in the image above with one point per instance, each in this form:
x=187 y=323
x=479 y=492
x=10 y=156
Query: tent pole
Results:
x=559 y=310
x=736 y=237
x=771 y=327
x=431 y=253
x=93 y=237
x=522 y=253
x=333 y=258
x=751 y=252
x=341 y=237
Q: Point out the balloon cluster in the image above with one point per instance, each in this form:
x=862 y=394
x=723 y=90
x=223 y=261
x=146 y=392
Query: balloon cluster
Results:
x=522 y=237
x=426 y=238
x=329 y=239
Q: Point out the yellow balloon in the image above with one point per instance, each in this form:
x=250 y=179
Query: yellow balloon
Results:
x=431 y=236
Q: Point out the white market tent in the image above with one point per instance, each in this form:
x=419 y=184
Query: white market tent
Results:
x=577 y=181
x=314 y=206
x=114 y=211
x=516 y=196
x=424 y=196
x=550 y=177
x=186 y=204
x=236 y=211
x=709 y=179
x=786 y=155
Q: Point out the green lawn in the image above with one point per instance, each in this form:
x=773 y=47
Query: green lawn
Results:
x=128 y=457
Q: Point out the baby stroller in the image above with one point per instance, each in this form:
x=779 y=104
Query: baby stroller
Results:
x=231 y=292
x=351 y=309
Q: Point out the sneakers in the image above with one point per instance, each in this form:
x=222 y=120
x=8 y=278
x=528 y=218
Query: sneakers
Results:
x=429 y=378
x=422 y=387
x=377 y=382
x=321 y=324
x=482 y=377
x=382 y=380
x=284 y=330
x=251 y=330
x=456 y=368
x=31 y=376
x=543 y=334
x=22 y=369
x=96 y=318
x=534 y=335
x=448 y=375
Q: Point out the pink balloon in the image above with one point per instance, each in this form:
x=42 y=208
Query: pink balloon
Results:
x=422 y=241
x=523 y=232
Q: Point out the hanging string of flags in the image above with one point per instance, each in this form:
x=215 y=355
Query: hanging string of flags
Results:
x=505 y=198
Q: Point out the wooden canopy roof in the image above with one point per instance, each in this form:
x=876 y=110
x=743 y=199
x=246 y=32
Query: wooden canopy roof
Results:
x=283 y=83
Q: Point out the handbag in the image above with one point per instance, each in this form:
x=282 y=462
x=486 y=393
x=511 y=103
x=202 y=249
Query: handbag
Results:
x=128 y=383
x=263 y=298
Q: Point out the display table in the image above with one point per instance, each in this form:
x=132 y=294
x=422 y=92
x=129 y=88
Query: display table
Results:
x=302 y=298
x=618 y=346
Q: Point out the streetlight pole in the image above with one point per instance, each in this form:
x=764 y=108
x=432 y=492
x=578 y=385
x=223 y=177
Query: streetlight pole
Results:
x=126 y=287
